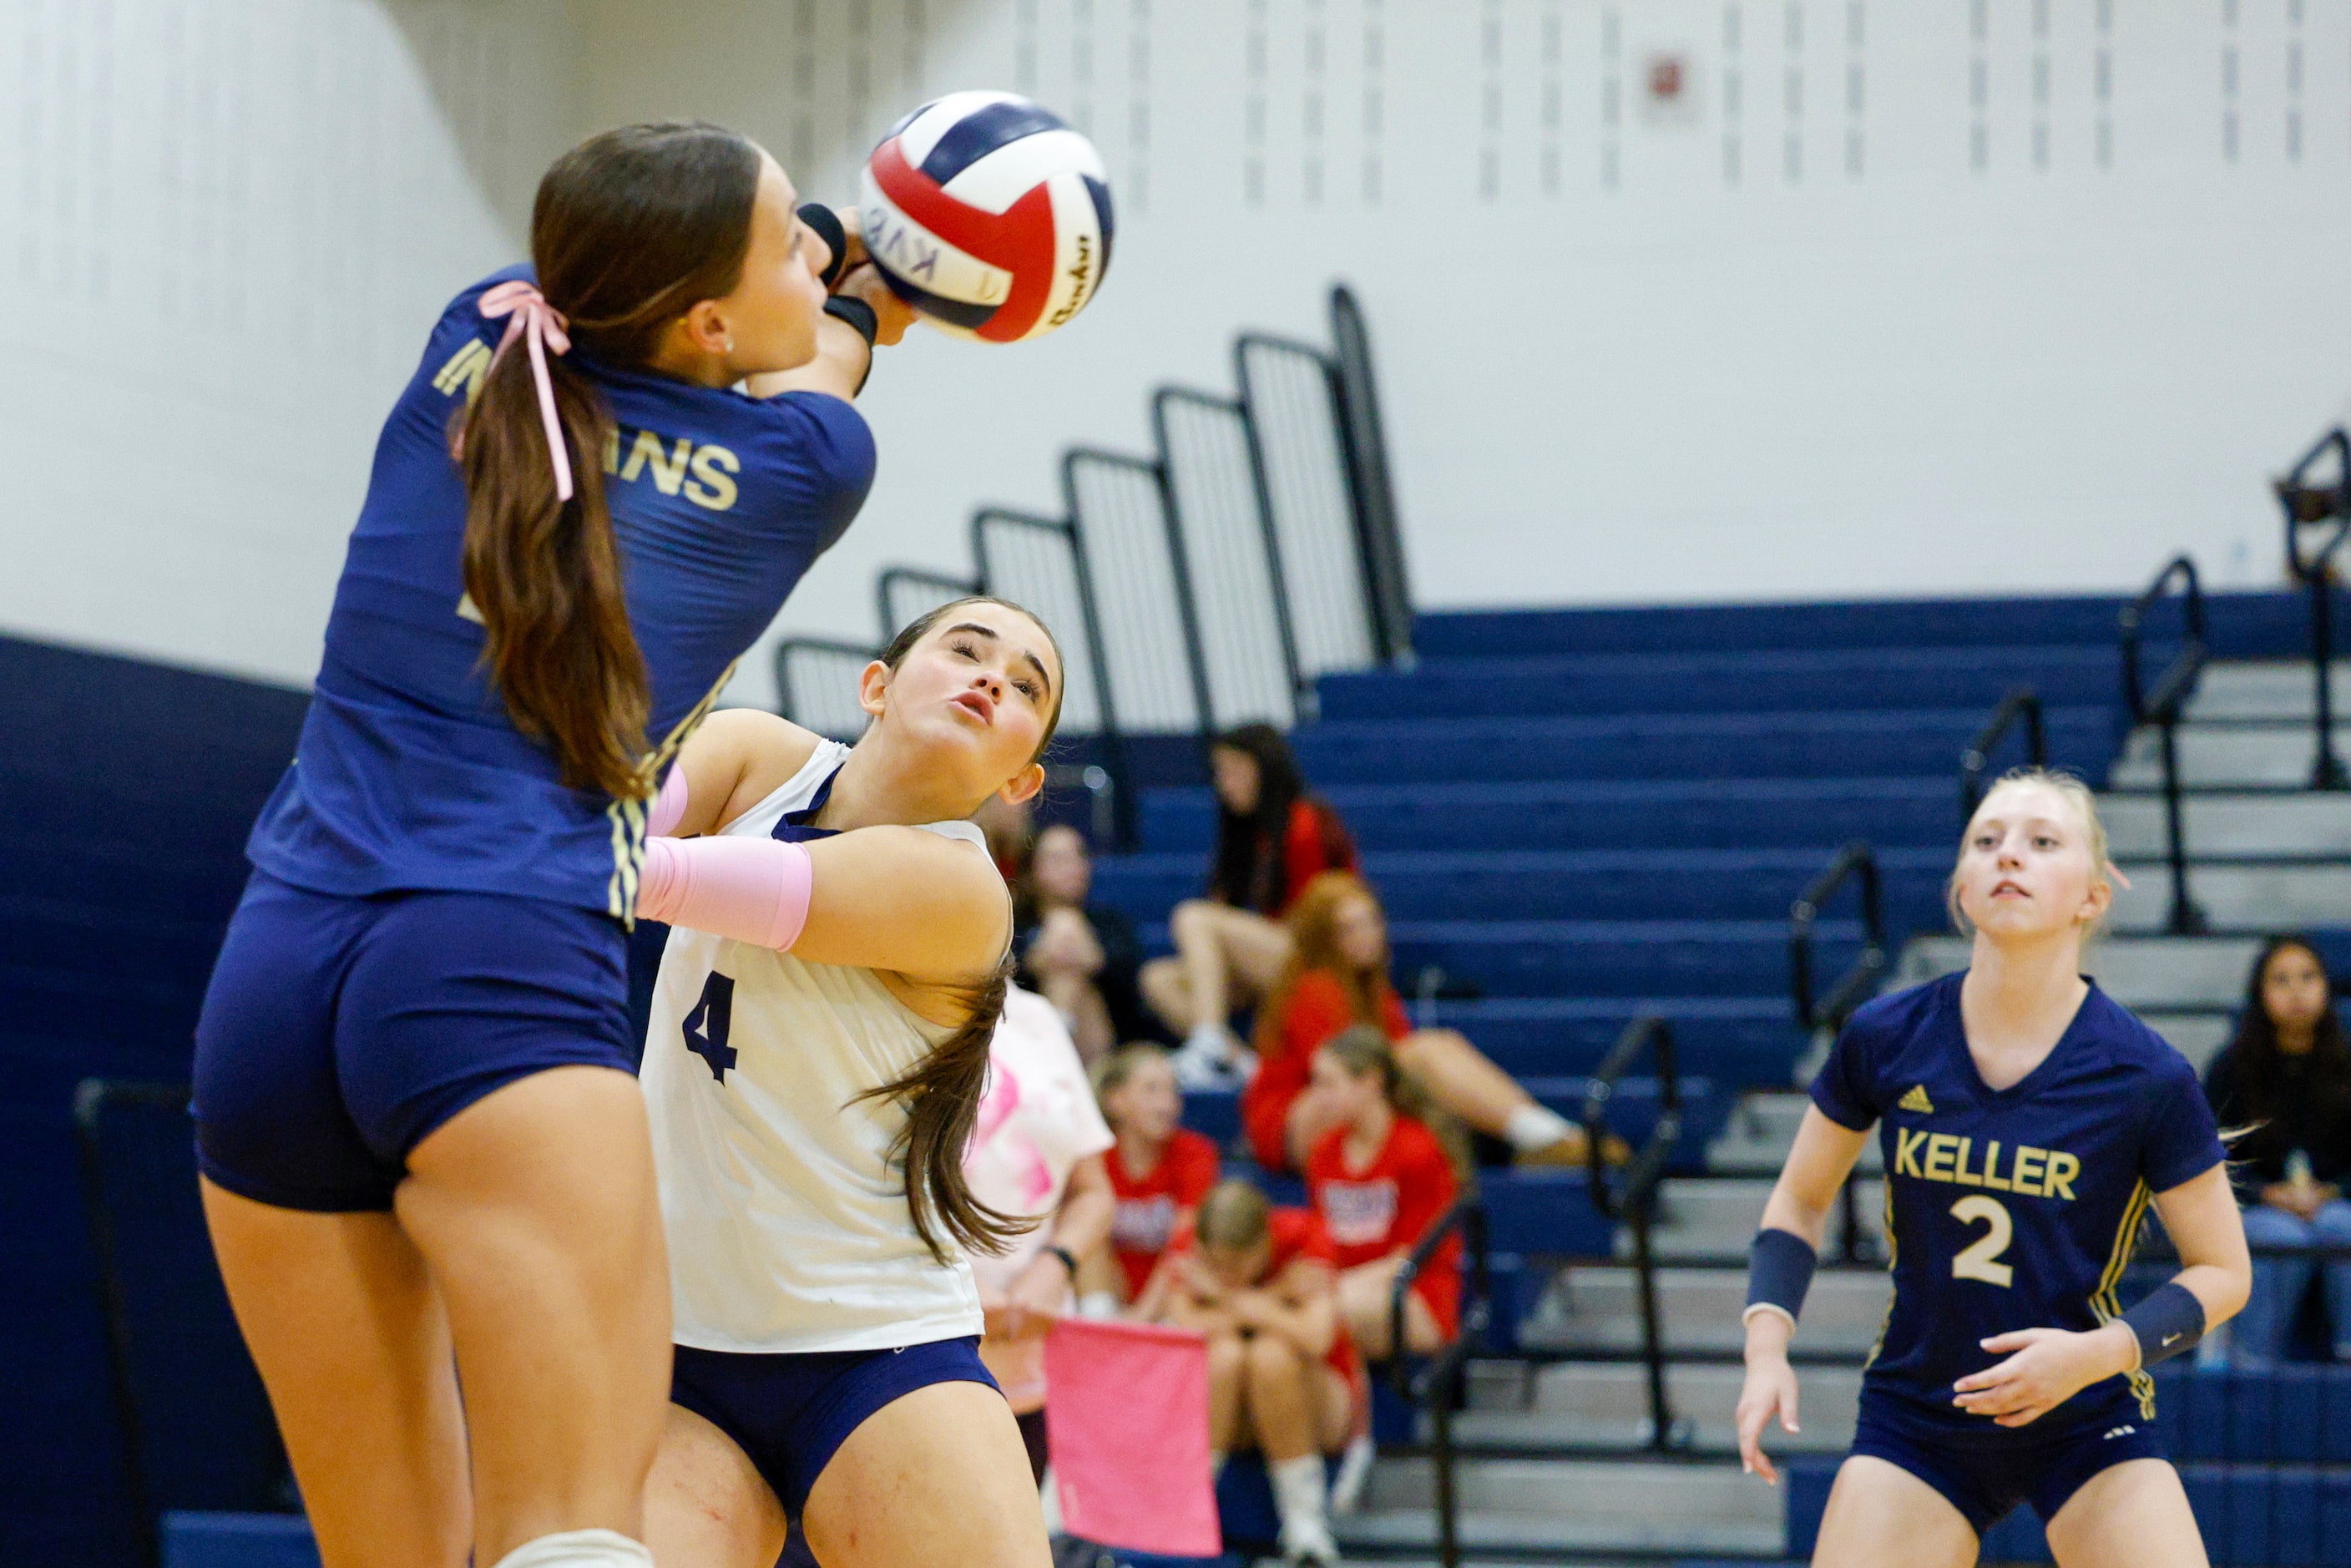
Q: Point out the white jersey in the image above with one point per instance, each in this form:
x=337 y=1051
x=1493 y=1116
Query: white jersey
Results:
x=788 y=1226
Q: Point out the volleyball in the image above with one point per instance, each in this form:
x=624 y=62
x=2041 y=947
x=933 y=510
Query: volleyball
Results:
x=989 y=216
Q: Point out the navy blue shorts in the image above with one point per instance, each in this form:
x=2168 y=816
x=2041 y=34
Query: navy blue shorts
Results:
x=1985 y=1473
x=339 y=1031
x=790 y=1413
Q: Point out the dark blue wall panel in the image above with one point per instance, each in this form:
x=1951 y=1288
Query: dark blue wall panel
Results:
x=126 y=788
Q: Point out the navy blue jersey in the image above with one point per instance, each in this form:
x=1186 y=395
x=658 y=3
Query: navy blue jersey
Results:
x=2017 y=1208
x=410 y=774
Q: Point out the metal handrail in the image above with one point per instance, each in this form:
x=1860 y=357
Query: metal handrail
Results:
x=786 y=703
x=2305 y=505
x=2020 y=703
x=2163 y=710
x=1369 y=488
x=1436 y=1382
x=1260 y=495
x=1855 y=860
x=1187 y=611
x=1632 y=1199
x=1126 y=812
x=917 y=576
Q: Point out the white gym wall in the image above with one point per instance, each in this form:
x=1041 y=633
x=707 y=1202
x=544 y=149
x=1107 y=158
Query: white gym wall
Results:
x=1993 y=295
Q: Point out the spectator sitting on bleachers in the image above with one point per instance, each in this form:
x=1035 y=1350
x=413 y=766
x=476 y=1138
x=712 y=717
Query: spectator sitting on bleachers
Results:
x=1082 y=957
x=1273 y=838
x=1337 y=975
x=1378 y=1179
x=1159 y=1171
x=2285 y=1078
x=1282 y=1376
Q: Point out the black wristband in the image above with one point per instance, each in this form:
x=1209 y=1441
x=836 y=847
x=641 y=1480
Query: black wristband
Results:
x=858 y=314
x=826 y=224
x=1780 y=1271
x=1069 y=1260
x=2170 y=1321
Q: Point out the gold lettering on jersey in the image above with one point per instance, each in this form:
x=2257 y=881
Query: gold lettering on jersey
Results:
x=1940 y=1149
x=2063 y=1168
x=712 y=484
x=668 y=468
x=1946 y=1157
x=464 y=369
x=669 y=462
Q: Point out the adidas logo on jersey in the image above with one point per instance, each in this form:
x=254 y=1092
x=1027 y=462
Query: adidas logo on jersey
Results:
x=1916 y=1101
x=2114 y=1432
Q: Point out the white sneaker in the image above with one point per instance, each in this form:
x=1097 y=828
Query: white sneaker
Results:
x=1199 y=1061
x=1354 y=1470
x=1309 y=1545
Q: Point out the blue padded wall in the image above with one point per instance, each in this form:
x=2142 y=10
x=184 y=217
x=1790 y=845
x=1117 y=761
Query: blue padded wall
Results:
x=126 y=793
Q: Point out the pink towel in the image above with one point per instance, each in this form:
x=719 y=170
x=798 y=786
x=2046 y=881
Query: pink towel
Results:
x=1126 y=1413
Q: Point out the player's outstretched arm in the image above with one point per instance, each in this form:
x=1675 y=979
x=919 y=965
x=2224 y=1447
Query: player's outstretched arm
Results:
x=2045 y=1367
x=1823 y=1158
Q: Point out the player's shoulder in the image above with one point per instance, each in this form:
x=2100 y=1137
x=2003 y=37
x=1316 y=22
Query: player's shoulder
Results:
x=2129 y=1042
x=1885 y=1022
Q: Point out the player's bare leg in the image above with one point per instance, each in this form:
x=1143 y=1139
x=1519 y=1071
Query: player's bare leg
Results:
x=2131 y=1515
x=706 y=1503
x=1880 y=1513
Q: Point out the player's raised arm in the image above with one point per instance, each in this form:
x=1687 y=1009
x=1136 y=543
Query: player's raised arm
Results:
x=1787 y=1248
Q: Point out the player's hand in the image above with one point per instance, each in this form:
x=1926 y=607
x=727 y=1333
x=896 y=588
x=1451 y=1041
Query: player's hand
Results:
x=891 y=315
x=1769 y=1392
x=1036 y=1297
x=2045 y=1368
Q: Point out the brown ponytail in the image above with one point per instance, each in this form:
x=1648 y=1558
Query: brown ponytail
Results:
x=631 y=229
x=941 y=1096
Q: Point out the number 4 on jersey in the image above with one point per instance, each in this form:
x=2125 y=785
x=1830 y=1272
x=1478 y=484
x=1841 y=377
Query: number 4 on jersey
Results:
x=706 y=1026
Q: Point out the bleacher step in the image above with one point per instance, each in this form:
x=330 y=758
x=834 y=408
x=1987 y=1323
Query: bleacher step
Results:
x=1631 y=1505
x=2142 y=973
x=2282 y=690
x=2265 y=897
x=2229 y=822
x=1599 y=1309
x=1607 y=1405
x=1717 y=1217
x=2234 y=754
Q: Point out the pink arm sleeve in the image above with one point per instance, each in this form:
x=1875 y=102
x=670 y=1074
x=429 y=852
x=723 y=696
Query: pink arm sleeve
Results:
x=752 y=890
x=669 y=805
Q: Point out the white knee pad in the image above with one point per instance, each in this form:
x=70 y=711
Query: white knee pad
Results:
x=580 y=1549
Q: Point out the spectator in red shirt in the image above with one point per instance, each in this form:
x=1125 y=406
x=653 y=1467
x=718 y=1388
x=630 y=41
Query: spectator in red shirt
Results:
x=1337 y=977
x=1378 y=1180
x=1273 y=838
x=1158 y=1172
x=1257 y=1280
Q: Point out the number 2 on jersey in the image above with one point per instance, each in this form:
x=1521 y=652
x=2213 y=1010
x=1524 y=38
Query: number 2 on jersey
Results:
x=1980 y=1259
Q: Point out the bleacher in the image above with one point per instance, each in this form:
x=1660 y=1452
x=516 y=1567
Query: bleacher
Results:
x=1584 y=816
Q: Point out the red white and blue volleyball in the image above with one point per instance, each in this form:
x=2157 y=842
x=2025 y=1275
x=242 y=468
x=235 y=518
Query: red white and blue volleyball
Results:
x=990 y=215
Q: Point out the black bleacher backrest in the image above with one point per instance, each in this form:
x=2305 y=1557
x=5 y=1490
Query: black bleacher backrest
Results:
x=205 y=1437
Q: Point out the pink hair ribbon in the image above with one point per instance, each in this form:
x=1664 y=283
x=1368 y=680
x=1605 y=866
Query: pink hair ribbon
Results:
x=541 y=325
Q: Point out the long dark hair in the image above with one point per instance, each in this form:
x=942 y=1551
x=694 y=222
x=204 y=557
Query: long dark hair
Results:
x=942 y=1093
x=631 y=228
x=2259 y=1066
x=1250 y=870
